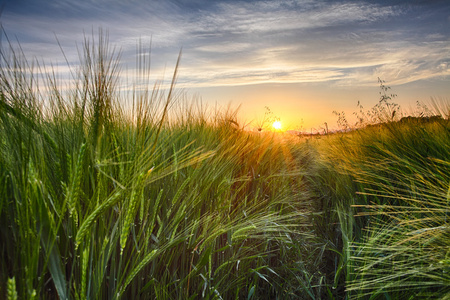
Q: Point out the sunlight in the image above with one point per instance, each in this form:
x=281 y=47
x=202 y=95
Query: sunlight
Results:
x=276 y=125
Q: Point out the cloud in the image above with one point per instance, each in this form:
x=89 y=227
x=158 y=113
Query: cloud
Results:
x=320 y=43
x=245 y=42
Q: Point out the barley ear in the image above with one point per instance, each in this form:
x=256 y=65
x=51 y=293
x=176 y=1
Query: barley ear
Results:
x=138 y=268
x=84 y=265
x=74 y=191
x=84 y=228
x=131 y=211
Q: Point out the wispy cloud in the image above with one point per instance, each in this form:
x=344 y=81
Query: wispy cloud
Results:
x=328 y=42
x=247 y=42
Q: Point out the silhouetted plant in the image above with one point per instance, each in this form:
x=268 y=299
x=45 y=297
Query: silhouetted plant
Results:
x=342 y=120
x=267 y=121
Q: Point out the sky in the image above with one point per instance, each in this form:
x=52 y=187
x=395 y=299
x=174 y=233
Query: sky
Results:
x=302 y=59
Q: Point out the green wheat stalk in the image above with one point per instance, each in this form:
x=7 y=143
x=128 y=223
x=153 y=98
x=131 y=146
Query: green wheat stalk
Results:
x=11 y=289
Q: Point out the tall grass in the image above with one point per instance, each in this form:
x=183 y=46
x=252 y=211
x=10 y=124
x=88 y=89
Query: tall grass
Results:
x=405 y=249
x=144 y=194
x=104 y=200
x=391 y=182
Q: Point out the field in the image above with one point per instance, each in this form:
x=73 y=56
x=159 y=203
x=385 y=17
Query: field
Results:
x=158 y=197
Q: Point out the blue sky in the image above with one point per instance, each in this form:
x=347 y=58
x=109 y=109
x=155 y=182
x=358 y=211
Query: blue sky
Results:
x=303 y=58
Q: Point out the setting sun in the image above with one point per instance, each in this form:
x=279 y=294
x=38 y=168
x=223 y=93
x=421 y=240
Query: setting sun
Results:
x=277 y=125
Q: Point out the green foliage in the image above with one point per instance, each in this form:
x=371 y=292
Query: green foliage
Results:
x=161 y=198
x=104 y=200
x=397 y=188
x=406 y=184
